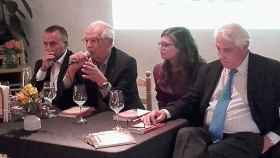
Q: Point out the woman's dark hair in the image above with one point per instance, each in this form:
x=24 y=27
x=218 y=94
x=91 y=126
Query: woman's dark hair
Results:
x=188 y=59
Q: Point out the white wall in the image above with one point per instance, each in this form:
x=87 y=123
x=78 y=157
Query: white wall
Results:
x=142 y=44
x=75 y=15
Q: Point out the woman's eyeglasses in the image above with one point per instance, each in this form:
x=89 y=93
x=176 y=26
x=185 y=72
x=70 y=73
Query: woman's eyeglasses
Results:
x=165 y=45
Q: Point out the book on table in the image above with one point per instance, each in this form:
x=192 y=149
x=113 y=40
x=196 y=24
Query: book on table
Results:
x=109 y=139
x=76 y=111
x=131 y=115
x=141 y=128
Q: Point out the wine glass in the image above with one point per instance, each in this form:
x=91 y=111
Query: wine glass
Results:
x=49 y=94
x=80 y=97
x=116 y=103
x=27 y=75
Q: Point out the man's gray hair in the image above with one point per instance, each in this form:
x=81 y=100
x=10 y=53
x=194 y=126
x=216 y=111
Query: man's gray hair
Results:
x=108 y=29
x=235 y=33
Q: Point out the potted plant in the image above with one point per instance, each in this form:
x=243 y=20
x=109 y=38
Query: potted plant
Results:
x=10 y=20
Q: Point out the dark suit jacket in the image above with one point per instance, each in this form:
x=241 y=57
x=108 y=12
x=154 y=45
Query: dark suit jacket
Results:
x=63 y=99
x=121 y=72
x=263 y=90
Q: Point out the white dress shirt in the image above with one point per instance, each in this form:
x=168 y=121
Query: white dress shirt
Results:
x=55 y=69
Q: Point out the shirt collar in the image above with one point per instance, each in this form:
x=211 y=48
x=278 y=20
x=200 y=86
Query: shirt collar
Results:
x=61 y=58
x=107 y=59
x=243 y=67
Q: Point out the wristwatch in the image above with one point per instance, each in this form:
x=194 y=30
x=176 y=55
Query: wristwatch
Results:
x=106 y=86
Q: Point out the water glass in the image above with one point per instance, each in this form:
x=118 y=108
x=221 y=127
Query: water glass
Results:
x=116 y=103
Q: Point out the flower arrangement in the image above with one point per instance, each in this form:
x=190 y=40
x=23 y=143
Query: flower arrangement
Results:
x=11 y=49
x=28 y=97
x=12 y=45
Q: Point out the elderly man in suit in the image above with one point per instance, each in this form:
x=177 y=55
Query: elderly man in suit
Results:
x=233 y=106
x=53 y=65
x=102 y=68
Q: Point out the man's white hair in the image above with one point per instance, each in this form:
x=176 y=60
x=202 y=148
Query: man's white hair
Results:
x=235 y=33
x=108 y=29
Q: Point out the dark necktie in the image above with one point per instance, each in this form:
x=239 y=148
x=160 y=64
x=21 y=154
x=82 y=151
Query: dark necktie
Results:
x=216 y=126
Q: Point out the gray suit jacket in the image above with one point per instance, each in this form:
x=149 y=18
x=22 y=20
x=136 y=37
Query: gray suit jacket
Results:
x=121 y=72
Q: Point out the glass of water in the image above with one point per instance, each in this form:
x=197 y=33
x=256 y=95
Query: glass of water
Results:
x=116 y=103
x=80 y=97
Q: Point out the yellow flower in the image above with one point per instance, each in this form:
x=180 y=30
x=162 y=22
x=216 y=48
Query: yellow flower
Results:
x=22 y=98
x=27 y=94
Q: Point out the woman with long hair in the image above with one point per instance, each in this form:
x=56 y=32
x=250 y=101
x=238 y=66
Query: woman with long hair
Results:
x=181 y=62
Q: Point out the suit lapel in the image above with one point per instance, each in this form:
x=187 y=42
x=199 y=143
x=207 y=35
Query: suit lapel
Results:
x=111 y=66
x=213 y=78
x=63 y=69
x=64 y=65
x=254 y=68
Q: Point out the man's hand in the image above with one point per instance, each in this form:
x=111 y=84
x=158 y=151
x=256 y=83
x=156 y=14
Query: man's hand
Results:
x=154 y=117
x=47 y=60
x=76 y=61
x=79 y=58
x=92 y=72
x=267 y=144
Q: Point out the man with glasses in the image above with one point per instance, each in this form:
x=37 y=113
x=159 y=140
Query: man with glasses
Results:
x=102 y=68
x=53 y=65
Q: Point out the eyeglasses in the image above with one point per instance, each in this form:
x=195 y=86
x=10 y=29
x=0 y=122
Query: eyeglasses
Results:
x=165 y=45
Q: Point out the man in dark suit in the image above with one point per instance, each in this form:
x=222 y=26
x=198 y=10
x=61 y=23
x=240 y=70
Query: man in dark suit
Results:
x=102 y=68
x=53 y=65
x=251 y=124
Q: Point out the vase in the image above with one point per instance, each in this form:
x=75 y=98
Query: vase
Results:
x=31 y=122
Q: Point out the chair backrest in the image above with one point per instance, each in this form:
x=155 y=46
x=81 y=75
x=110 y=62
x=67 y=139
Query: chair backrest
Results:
x=145 y=89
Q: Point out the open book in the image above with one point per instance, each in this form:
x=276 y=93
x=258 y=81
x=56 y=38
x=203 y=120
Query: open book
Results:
x=131 y=115
x=109 y=138
x=75 y=112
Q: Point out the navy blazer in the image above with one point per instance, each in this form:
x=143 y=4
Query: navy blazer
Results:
x=263 y=90
x=63 y=99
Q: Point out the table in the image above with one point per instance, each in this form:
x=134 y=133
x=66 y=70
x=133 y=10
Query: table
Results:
x=61 y=137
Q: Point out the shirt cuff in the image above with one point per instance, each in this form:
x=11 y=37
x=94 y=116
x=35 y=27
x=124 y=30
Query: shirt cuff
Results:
x=41 y=75
x=168 y=115
x=275 y=138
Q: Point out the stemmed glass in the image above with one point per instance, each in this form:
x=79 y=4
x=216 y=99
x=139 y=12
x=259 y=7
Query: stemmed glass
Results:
x=27 y=75
x=80 y=97
x=49 y=94
x=116 y=103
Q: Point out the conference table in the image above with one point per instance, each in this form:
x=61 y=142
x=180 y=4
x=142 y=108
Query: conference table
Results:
x=62 y=138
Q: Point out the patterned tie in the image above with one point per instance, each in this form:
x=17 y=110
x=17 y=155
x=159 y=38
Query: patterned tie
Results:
x=216 y=126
